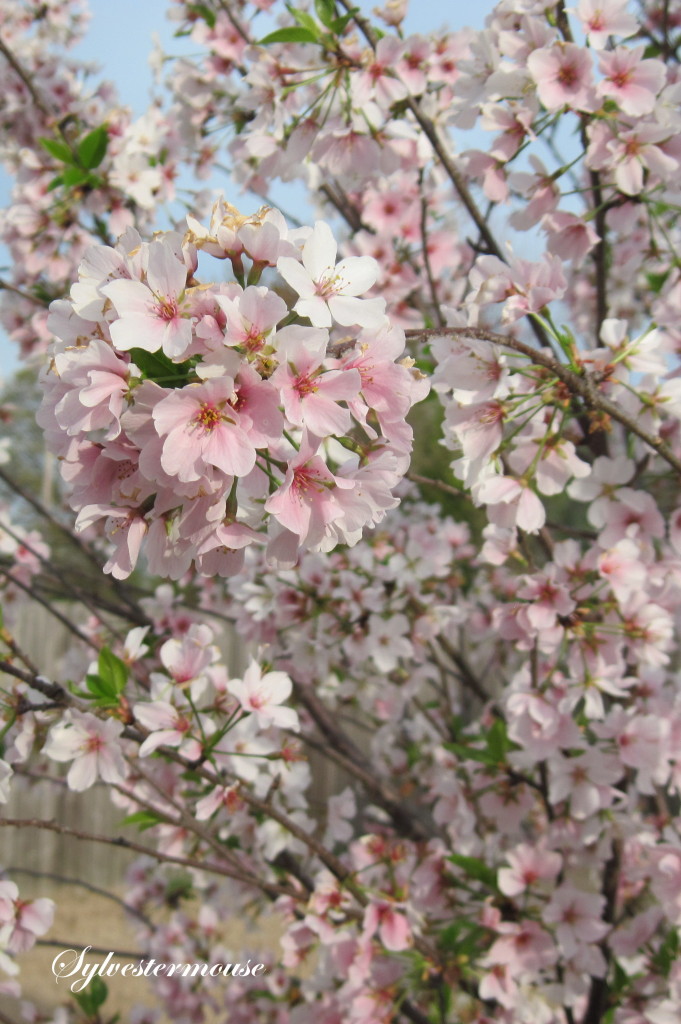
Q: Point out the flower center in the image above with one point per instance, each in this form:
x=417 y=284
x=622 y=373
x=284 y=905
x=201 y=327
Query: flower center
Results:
x=208 y=417
x=567 y=75
x=94 y=744
x=328 y=286
x=621 y=78
x=305 y=386
x=167 y=309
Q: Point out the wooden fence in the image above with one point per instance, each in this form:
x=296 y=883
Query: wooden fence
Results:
x=47 y=641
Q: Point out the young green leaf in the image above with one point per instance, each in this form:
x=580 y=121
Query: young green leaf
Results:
x=92 y=998
x=59 y=150
x=92 y=149
x=305 y=20
x=326 y=11
x=498 y=743
x=157 y=367
x=202 y=11
x=294 y=34
x=471 y=753
x=143 y=820
x=112 y=670
x=475 y=868
x=72 y=176
x=99 y=688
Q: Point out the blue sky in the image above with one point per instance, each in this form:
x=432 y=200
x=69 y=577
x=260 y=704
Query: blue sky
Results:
x=119 y=40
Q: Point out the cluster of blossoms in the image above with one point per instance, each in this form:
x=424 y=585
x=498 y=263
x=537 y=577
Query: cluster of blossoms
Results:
x=208 y=417
x=497 y=690
x=83 y=168
x=22 y=921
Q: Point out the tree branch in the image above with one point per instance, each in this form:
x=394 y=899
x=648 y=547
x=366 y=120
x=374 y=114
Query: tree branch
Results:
x=27 y=80
x=65 y=880
x=584 y=385
x=147 y=851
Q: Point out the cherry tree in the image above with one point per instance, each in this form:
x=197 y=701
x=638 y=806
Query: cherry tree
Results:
x=419 y=450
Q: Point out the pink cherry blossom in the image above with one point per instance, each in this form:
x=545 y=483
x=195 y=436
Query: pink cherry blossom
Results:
x=328 y=290
x=634 y=83
x=563 y=75
x=305 y=503
x=92 y=744
x=310 y=395
x=201 y=429
x=529 y=864
x=604 y=18
x=577 y=917
x=168 y=726
x=391 y=925
x=154 y=315
x=262 y=696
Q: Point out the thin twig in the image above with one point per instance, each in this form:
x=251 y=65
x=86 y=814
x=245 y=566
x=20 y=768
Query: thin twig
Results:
x=426 y=260
x=430 y=130
x=464 y=673
x=409 y=826
x=26 y=79
x=7 y=287
x=584 y=385
x=49 y=607
x=68 y=944
x=140 y=616
x=239 y=28
x=427 y=481
x=66 y=880
x=348 y=212
x=65 y=583
x=147 y=851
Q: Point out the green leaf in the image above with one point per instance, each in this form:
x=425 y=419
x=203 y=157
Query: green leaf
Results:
x=462 y=937
x=74 y=176
x=93 y=997
x=294 y=34
x=112 y=670
x=92 y=149
x=475 y=868
x=326 y=11
x=59 y=150
x=103 y=690
x=471 y=753
x=203 y=12
x=338 y=25
x=157 y=367
x=179 y=887
x=305 y=20
x=143 y=820
x=620 y=980
x=668 y=953
x=656 y=281
x=498 y=743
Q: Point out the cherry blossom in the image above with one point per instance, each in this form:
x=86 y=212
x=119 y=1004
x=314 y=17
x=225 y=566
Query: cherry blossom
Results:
x=493 y=669
x=92 y=744
x=262 y=696
x=328 y=290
